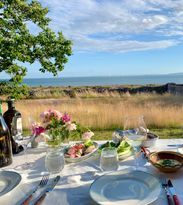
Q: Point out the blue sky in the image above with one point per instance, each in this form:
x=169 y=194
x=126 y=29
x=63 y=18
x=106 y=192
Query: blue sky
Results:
x=118 y=37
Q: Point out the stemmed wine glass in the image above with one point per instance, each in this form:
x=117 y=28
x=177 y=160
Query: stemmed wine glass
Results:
x=135 y=132
x=25 y=141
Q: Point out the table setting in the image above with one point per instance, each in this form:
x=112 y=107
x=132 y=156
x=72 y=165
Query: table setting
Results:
x=128 y=169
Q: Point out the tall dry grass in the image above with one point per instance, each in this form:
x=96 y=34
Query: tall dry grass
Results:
x=109 y=112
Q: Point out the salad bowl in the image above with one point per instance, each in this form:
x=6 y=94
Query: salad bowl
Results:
x=87 y=151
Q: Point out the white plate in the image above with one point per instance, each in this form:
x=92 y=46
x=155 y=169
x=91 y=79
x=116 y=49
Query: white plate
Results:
x=180 y=150
x=125 y=188
x=78 y=159
x=8 y=181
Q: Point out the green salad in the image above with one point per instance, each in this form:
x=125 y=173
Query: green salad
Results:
x=168 y=163
x=123 y=147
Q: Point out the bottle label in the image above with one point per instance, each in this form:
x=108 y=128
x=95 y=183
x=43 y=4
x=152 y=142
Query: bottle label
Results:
x=16 y=126
x=19 y=125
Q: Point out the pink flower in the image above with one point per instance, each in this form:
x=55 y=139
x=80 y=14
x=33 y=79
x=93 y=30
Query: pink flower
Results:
x=37 y=129
x=55 y=114
x=71 y=126
x=66 y=118
x=45 y=116
x=48 y=115
x=87 y=135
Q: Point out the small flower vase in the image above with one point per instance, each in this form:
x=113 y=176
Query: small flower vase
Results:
x=34 y=143
x=53 y=141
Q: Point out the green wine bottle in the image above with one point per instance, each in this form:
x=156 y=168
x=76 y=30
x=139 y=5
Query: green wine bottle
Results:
x=13 y=120
x=5 y=142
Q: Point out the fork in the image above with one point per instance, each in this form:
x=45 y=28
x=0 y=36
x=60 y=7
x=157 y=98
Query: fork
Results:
x=41 y=184
x=165 y=187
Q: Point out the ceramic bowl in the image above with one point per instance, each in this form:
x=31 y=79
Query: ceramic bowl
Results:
x=154 y=157
x=151 y=140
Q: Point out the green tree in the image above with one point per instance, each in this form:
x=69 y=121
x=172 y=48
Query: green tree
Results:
x=19 y=45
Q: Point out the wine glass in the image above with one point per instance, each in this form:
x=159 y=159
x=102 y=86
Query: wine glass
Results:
x=24 y=141
x=135 y=132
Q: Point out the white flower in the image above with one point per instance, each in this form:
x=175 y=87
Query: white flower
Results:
x=43 y=137
x=87 y=135
x=71 y=126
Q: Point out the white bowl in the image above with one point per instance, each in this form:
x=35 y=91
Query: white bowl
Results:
x=82 y=158
x=151 y=140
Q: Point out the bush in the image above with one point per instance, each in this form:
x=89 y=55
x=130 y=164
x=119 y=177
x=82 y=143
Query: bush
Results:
x=13 y=90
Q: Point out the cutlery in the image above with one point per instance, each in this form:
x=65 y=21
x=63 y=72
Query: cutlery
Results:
x=165 y=187
x=146 y=152
x=42 y=183
x=175 y=145
x=49 y=188
x=172 y=191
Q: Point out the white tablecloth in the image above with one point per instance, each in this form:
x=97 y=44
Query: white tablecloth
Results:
x=73 y=188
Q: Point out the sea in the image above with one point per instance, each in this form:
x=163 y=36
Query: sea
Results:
x=106 y=80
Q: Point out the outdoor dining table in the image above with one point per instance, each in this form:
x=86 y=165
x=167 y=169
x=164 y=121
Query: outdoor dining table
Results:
x=76 y=178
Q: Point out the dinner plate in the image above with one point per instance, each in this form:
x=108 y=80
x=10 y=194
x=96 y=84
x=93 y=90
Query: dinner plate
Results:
x=82 y=158
x=8 y=181
x=125 y=188
x=180 y=150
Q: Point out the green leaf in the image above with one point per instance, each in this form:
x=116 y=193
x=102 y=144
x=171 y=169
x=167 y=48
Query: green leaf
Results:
x=88 y=143
x=20 y=45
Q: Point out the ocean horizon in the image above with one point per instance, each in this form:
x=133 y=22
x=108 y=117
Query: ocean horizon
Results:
x=106 y=80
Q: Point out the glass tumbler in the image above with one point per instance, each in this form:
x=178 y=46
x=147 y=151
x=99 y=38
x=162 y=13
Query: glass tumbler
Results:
x=109 y=159
x=54 y=161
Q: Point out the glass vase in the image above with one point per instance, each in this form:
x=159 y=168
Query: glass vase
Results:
x=54 y=160
x=34 y=143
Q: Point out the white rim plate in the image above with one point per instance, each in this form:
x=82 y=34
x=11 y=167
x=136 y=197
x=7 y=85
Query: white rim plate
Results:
x=82 y=158
x=8 y=181
x=125 y=188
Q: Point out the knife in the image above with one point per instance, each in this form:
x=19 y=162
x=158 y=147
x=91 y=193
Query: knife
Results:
x=167 y=192
x=175 y=145
x=146 y=152
x=172 y=191
x=48 y=189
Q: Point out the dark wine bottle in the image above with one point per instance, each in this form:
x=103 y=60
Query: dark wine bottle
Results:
x=5 y=143
x=13 y=119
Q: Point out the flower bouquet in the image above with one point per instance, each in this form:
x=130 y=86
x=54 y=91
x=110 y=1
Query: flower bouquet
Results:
x=56 y=127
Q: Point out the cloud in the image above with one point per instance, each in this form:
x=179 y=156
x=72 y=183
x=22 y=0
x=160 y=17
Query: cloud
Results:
x=116 y=46
x=113 y=25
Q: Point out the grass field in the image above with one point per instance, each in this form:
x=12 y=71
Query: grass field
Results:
x=163 y=133
x=163 y=113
